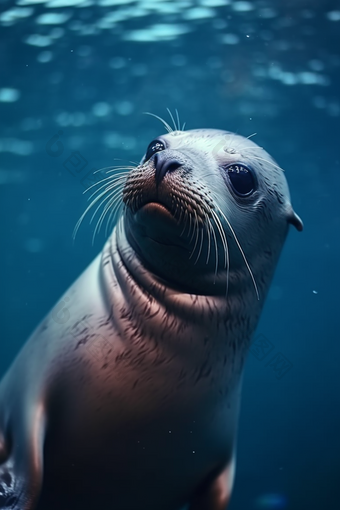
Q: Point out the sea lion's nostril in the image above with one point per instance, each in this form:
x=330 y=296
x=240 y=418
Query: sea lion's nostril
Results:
x=172 y=165
x=164 y=165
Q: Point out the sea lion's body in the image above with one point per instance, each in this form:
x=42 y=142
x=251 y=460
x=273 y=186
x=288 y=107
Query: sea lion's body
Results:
x=127 y=394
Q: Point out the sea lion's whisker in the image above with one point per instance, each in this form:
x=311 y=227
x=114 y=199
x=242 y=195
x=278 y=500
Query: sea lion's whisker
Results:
x=189 y=230
x=185 y=222
x=179 y=213
x=173 y=120
x=193 y=227
x=109 y=198
x=197 y=233
x=242 y=148
x=165 y=124
x=94 y=201
x=115 y=167
x=225 y=246
x=222 y=235
x=114 y=196
x=112 y=199
x=115 y=182
x=79 y=222
x=114 y=208
x=241 y=251
x=116 y=212
x=106 y=195
x=268 y=162
x=178 y=122
x=209 y=241
x=201 y=245
x=216 y=249
x=110 y=178
x=127 y=168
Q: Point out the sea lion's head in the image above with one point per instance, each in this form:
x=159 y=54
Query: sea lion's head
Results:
x=207 y=208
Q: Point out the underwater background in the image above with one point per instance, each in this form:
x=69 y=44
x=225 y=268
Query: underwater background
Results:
x=75 y=79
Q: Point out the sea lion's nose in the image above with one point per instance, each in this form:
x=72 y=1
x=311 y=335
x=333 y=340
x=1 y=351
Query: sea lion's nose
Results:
x=164 y=163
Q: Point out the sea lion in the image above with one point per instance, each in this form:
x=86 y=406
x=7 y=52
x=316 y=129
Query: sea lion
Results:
x=127 y=394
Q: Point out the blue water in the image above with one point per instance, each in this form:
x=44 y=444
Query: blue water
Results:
x=84 y=72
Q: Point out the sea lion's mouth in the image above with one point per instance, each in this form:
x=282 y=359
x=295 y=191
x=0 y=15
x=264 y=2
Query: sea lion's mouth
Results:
x=176 y=208
x=158 y=207
x=157 y=216
x=156 y=204
x=156 y=222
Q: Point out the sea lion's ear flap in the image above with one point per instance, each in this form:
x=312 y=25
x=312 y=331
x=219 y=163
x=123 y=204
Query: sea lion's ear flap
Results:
x=294 y=219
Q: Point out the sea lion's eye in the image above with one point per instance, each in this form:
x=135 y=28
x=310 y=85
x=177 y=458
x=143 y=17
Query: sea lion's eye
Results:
x=241 y=179
x=155 y=146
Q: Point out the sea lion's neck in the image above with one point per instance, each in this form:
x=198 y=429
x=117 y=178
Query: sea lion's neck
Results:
x=196 y=322
x=133 y=275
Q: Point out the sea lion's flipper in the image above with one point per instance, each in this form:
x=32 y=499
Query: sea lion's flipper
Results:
x=21 y=461
x=214 y=494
